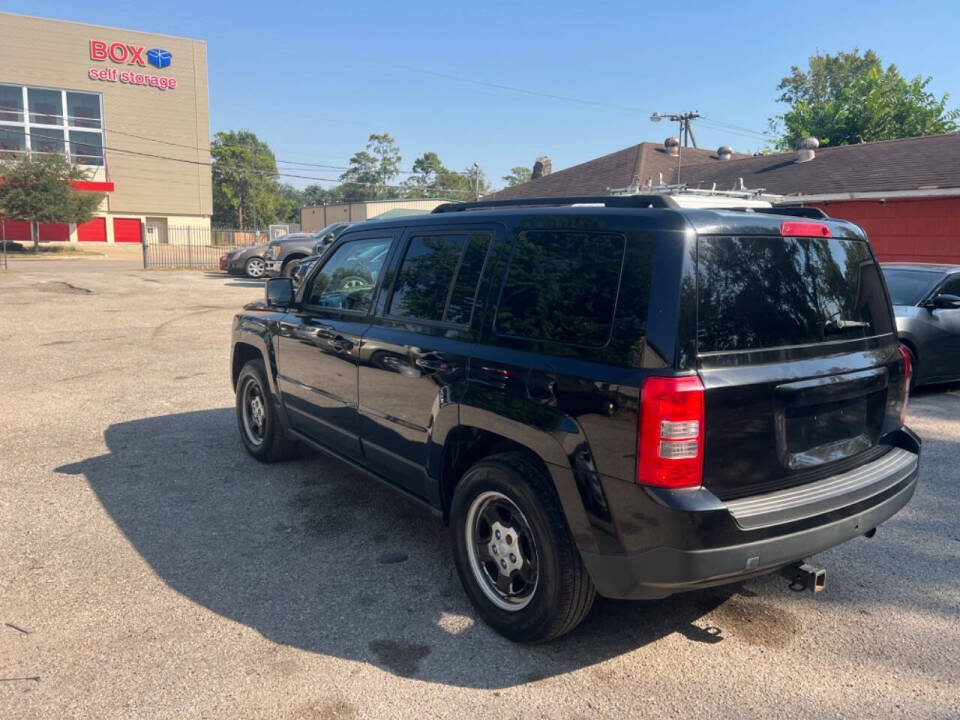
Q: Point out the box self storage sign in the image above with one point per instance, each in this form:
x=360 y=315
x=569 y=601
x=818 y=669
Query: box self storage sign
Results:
x=127 y=55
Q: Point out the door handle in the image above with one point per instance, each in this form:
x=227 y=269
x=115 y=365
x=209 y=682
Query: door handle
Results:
x=432 y=364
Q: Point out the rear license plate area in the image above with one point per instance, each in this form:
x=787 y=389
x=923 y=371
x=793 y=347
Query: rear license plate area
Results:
x=816 y=425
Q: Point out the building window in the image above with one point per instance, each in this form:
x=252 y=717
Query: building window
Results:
x=46 y=106
x=86 y=148
x=11 y=104
x=12 y=142
x=83 y=110
x=46 y=140
x=45 y=128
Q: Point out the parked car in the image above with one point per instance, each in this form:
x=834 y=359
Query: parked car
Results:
x=926 y=301
x=247 y=261
x=286 y=253
x=598 y=395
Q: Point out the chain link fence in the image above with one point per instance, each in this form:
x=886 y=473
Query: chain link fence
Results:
x=195 y=247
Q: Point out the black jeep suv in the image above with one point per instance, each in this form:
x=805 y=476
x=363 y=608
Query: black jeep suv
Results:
x=599 y=395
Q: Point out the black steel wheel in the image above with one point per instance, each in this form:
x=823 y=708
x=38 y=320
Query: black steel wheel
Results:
x=514 y=552
x=257 y=420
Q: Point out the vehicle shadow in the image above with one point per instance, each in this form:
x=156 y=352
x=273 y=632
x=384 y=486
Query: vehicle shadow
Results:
x=313 y=554
x=234 y=280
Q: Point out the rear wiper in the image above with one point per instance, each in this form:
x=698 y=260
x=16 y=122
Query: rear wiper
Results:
x=841 y=324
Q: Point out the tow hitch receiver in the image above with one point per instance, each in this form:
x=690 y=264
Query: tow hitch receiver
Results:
x=804 y=576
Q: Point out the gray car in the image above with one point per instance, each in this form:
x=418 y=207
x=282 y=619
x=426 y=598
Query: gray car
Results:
x=247 y=261
x=926 y=301
x=285 y=254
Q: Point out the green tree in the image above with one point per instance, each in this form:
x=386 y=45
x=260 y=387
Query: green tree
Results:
x=518 y=176
x=850 y=98
x=434 y=180
x=287 y=203
x=245 y=185
x=372 y=170
x=318 y=195
x=37 y=189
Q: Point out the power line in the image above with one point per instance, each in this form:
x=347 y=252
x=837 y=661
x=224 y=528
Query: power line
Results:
x=212 y=165
x=113 y=130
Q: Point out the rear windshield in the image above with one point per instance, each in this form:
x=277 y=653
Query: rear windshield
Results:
x=767 y=292
x=907 y=287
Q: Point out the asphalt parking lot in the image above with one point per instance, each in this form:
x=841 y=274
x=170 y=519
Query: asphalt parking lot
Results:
x=150 y=568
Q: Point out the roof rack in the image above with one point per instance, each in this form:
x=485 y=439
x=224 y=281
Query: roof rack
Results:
x=632 y=201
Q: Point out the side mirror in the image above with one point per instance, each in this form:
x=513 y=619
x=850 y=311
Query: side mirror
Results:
x=280 y=292
x=945 y=301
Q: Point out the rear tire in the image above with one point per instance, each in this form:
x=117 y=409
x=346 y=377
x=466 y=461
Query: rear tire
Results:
x=257 y=420
x=291 y=267
x=506 y=515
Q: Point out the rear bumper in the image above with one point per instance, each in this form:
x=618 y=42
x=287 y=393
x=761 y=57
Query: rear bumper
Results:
x=661 y=571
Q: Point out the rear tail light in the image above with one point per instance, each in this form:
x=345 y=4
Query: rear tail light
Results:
x=907 y=374
x=805 y=229
x=670 y=434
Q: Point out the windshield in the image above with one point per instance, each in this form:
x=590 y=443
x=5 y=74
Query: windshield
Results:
x=907 y=287
x=328 y=229
x=767 y=292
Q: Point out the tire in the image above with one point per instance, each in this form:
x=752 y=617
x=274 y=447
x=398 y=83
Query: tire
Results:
x=549 y=591
x=290 y=267
x=257 y=420
x=255 y=268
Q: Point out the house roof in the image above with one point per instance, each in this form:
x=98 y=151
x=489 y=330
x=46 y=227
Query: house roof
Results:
x=922 y=163
x=911 y=164
x=639 y=163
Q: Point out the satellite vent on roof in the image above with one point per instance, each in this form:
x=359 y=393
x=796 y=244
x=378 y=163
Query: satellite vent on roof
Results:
x=725 y=152
x=672 y=145
x=808 y=149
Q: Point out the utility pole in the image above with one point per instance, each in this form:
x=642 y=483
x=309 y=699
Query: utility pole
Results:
x=685 y=129
x=476 y=182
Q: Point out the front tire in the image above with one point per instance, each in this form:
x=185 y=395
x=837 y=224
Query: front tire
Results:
x=257 y=420
x=255 y=268
x=514 y=553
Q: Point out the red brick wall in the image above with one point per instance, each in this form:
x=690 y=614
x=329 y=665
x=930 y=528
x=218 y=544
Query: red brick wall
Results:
x=912 y=229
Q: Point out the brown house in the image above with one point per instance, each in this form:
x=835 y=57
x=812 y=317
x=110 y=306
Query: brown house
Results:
x=904 y=193
x=640 y=164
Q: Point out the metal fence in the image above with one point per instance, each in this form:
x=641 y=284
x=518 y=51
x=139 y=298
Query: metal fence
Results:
x=194 y=247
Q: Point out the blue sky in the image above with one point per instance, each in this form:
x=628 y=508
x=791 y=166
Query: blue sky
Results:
x=314 y=80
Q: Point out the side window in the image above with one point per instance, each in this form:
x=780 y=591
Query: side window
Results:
x=951 y=287
x=348 y=278
x=562 y=287
x=438 y=278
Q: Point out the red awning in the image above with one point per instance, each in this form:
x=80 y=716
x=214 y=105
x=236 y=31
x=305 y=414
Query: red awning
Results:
x=89 y=185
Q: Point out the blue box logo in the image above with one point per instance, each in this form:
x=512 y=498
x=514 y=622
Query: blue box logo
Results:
x=159 y=58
